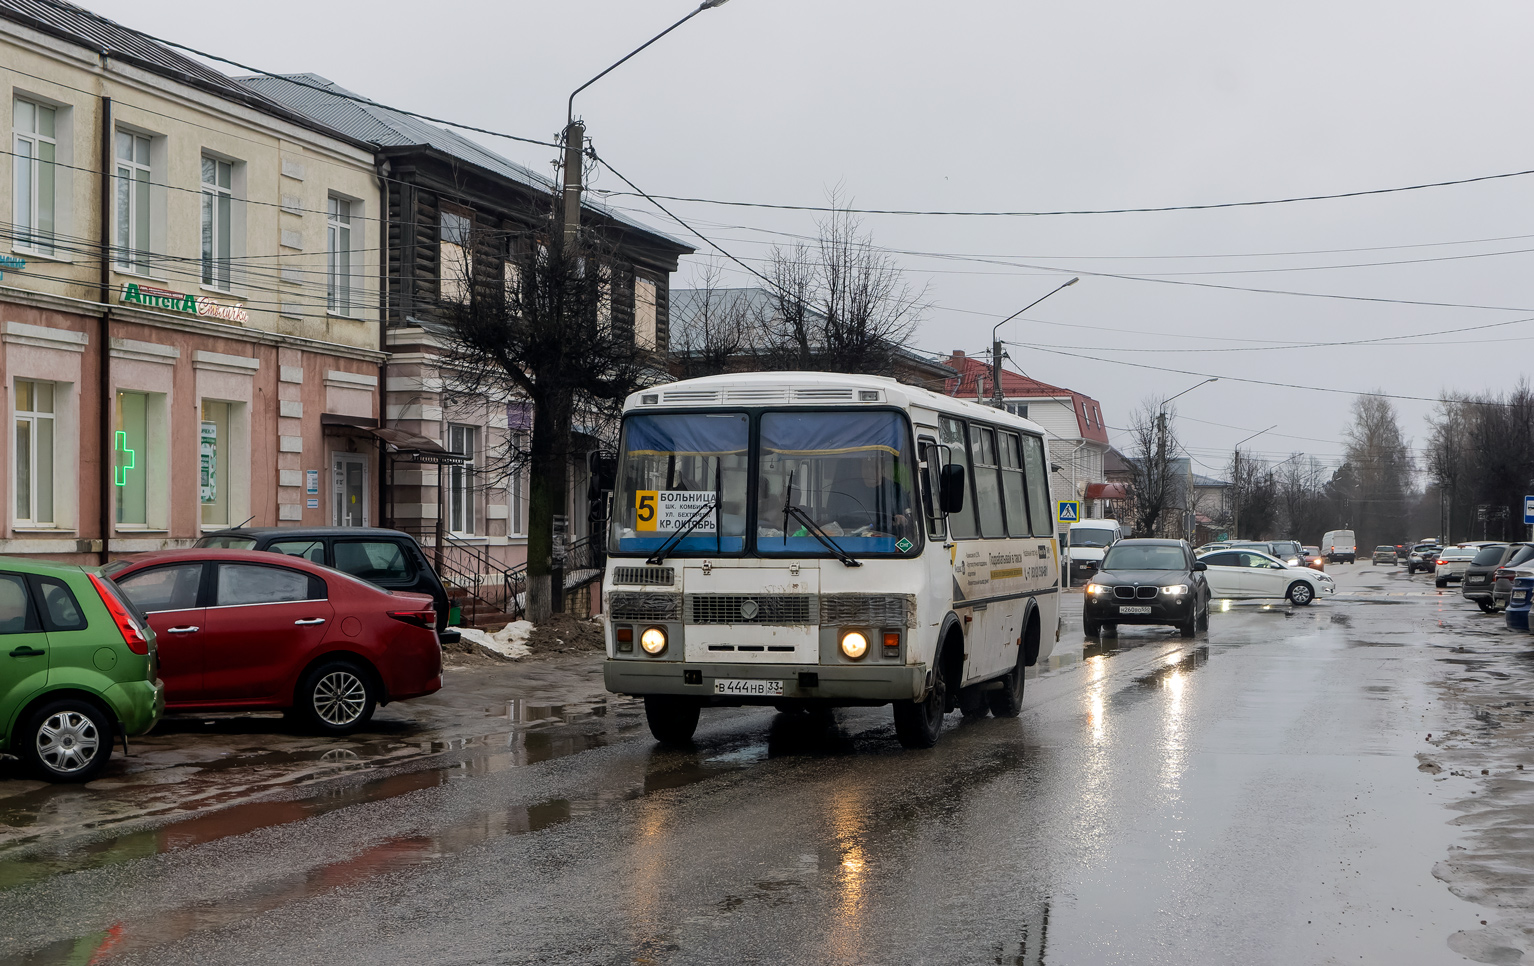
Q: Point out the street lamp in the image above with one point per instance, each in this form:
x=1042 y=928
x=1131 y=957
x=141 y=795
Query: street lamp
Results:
x=1235 y=518
x=996 y=396
x=1161 y=465
x=575 y=132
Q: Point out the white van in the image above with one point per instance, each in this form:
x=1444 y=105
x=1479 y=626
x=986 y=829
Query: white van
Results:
x=1089 y=540
x=1339 y=545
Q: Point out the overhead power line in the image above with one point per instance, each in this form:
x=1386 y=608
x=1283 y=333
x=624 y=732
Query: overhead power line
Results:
x=835 y=209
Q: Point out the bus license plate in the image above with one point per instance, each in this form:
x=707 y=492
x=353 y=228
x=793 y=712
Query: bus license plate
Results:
x=1134 y=610
x=749 y=688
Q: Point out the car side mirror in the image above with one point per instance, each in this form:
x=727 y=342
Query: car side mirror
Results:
x=951 y=488
x=1199 y=565
x=604 y=472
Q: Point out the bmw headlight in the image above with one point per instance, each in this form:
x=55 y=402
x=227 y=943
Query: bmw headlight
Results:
x=1095 y=589
x=1175 y=590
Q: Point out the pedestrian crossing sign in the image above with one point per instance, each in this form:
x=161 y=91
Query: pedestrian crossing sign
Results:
x=1070 y=511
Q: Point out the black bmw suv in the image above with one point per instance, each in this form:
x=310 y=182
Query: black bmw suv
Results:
x=1147 y=582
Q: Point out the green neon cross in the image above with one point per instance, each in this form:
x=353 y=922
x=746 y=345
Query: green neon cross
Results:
x=124 y=467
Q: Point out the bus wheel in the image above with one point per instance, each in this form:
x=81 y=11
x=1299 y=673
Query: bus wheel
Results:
x=1008 y=702
x=672 y=720
x=917 y=723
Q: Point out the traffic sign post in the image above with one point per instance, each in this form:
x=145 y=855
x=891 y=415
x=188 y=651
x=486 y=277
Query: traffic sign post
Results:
x=1070 y=511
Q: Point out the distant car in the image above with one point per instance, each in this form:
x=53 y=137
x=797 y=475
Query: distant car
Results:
x=390 y=559
x=82 y=669
x=1451 y=564
x=1289 y=551
x=1385 y=553
x=244 y=630
x=1239 y=573
x=1519 y=564
x=1421 y=557
x=1479 y=581
x=1339 y=545
x=1210 y=548
x=1147 y=581
x=1313 y=558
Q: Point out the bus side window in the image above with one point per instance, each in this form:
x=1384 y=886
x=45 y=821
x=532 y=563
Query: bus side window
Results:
x=987 y=481
x=961 y=524
x=931 y=461
x=1038 y=487
x=1012 y=489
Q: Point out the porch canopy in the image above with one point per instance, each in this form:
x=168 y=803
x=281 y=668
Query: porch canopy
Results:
x=397 y=443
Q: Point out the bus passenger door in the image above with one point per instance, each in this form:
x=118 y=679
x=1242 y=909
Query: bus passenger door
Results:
x=937 y=560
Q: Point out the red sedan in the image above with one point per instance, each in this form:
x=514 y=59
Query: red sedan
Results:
x=242 y=630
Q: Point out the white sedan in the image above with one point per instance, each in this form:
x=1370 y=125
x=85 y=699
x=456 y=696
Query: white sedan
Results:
x=1243 y=573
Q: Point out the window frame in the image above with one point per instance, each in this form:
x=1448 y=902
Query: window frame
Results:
x=338 y=246
x=461 y=479
x=986 y=433
x=32 y=623
x=126 y=257
x=212 y=595
x=217 y=207
x=454 y=288
x=32 y=417
x=28 y=234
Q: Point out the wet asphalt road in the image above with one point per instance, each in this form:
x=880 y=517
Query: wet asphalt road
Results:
x=1257 y=795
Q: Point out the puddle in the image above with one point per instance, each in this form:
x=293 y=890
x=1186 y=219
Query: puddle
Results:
x=666 y=770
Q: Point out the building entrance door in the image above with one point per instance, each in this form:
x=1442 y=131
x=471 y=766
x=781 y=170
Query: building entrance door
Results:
x=349 y=487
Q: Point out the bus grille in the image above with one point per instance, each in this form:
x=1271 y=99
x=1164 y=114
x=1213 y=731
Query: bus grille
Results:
x=643 y=575
x=750 y=609
x=868 y=610
x=629 y=606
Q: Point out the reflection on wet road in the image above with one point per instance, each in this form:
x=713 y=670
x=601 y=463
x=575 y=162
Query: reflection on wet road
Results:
x=1252 y=795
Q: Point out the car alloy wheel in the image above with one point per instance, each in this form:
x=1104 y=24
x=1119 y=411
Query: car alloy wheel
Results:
x=68 y=742
x=1300 y=593
x=340 y=697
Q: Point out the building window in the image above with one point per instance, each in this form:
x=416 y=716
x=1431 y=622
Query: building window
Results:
x=460 y=488
x=453 y=256
x=34 y=453
x=646 y=331
x=214 y=482
x=131 y=449
x=133 y=205
x=338 y=235
x=36 y=148
x=516 y=496
x=217 y=209
x=1018 y=409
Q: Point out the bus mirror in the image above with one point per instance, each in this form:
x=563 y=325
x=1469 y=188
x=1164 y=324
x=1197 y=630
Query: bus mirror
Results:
x=604 y=471
x=951 y=488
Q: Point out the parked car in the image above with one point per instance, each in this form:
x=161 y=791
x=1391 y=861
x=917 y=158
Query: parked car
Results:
x=1313 y=558
x=1210 y=548
x=1480 y=577
x=1289 y=551
x=1451 y=564
x=1145 y=581
x=1339 y=545
x=390 y=559
x=1089 y=540
x=1385 y=553
x=1517 y=565
x=1241 y=574
x=245 y=630
x=82 y=669
x=1422 y=557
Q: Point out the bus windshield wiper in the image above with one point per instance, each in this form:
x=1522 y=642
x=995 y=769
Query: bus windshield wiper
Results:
x=813 y=528
x=693 y=522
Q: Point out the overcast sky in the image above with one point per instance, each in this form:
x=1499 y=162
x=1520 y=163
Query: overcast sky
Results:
x=990 y=105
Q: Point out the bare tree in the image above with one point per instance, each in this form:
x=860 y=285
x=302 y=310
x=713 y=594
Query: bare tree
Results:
x=718 y=332
x=1302 y=503
x=1379 y=476
x=840 y=305
x=1254 y=491
x=1153 y=485
x=535 y=325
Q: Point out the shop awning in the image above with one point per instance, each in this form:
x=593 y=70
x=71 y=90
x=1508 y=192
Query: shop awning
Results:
x=397 y=443
x=1107 y=491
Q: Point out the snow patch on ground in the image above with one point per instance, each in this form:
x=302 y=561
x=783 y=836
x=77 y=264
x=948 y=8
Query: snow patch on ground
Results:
x=509 y=642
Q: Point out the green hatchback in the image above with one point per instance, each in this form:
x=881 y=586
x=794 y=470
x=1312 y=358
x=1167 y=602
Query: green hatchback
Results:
x=78 y=668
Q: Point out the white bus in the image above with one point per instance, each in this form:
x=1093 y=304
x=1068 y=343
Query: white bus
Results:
x=804 y=539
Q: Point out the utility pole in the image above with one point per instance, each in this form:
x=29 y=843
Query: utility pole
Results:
x=575 y=146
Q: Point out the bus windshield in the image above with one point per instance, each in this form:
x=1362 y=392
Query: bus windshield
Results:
x=849 y=472
x=682 y=472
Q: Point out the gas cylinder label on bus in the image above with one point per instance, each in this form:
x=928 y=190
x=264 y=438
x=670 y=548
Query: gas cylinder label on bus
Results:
x=667 y=511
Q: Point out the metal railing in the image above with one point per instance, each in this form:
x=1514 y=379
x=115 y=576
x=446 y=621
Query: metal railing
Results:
x=471 y=567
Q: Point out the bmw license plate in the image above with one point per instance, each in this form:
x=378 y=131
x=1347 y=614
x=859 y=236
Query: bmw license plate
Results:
x=1134 y=610
x=749 y=688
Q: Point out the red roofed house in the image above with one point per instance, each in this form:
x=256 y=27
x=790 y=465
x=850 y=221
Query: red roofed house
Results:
x=1078 y=438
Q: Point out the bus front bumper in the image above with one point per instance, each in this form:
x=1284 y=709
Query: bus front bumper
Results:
x=855 y=684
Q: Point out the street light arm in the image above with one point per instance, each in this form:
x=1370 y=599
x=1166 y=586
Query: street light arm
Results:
x=1030 y=305
x=1190 y=389
x=705 y=5
x=1255 y=435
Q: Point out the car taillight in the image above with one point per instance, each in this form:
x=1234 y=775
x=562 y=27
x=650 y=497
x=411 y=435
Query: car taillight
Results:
x=420 y=618
x=1442 y=562
x=1502 y=575
x=132 y=633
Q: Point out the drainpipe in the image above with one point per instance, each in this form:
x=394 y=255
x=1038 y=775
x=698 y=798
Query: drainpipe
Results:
x=104 y=343
x=385 y=490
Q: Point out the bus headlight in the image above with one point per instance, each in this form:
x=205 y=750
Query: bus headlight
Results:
x=653 y=640
x=854 y=644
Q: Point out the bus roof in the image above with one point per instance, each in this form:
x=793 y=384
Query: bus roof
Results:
x=746 y=389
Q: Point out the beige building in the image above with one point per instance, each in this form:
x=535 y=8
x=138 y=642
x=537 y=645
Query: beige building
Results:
x=189 y=313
